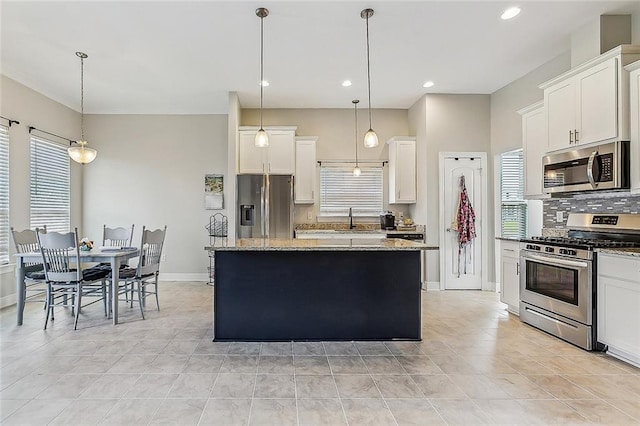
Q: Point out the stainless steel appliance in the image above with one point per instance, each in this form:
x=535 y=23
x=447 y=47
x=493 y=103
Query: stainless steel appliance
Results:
x=265 y=206
x=387 y=221
x=412 y=236
x=588 y=169
x=558 y=275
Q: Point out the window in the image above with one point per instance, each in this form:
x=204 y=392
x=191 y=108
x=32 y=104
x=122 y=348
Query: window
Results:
x=513 y=204
x=49 y=185
x=340 y=190
x=4 y=195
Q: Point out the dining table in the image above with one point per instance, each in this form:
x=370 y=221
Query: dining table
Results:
x=115 y=258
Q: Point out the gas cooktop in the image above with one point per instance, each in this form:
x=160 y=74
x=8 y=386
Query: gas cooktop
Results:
x=583 y=243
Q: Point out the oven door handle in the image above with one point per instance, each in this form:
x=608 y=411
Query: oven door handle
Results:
x=592 y=159
x=556 y=261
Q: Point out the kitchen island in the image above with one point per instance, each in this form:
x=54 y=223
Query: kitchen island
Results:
x=289 y=289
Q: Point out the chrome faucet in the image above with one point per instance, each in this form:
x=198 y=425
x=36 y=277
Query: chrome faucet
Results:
x=351 y=225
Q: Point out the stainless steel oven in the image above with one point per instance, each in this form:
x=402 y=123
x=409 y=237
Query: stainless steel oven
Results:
x=558 y=279
x=556 y=291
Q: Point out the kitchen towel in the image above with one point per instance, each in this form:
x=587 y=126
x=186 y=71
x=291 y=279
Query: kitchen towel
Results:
x=464 y=223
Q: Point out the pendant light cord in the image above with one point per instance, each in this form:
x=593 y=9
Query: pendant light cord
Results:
x=355 y=104
x=261 y=65
x=368 y=71
x=82 y=98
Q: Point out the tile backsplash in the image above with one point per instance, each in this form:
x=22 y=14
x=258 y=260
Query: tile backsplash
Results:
x=587 y=203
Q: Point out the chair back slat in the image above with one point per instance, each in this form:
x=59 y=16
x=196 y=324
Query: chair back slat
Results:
x=26 y=241
x=151 y=251
x=57 y=249
x=117 y=237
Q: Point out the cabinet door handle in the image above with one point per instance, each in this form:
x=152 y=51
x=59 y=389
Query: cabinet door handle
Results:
x=517 y=268
x=570 y=137
x=576 y=133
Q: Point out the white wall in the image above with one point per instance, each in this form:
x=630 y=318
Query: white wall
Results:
x=445 y=123
x=150 y=171
x=30 y=108
x=335 y=129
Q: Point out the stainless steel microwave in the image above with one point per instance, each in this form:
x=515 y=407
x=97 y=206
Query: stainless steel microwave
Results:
x=595 y=168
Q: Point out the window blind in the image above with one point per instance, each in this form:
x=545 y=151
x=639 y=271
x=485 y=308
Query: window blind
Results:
x=49 y=185
x=4 y=195
x=340 y=190
x=513 y=204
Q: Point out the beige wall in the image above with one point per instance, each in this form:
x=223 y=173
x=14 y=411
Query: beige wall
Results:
x=506 y=125
x=455 y=123
x=335 y=129
x=30 y=108
x=150 y=171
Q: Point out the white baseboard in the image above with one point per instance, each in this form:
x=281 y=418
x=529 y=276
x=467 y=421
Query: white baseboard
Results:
x=432 y=286
x=7 y=300
x=186 y=276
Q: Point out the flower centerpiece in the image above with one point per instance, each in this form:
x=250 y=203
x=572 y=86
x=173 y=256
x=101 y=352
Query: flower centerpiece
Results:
x=86 y=244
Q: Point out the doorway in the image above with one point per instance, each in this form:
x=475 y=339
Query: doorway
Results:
x=464 y=269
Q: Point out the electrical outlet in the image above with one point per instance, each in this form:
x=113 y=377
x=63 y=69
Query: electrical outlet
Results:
x=163 y=258
x=559 y=216
x=309 y=215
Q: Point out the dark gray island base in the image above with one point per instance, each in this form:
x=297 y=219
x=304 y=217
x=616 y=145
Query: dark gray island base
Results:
x=284 y=290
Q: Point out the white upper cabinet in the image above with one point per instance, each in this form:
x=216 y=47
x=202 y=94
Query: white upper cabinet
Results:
x=276 y=159
x=590 y=103
x=634 y=79
x=402 y=170
x=534 y=145
x=305 y=179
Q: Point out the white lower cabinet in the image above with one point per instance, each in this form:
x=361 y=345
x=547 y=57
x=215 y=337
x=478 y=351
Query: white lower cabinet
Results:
x=618 y=310
x=510 y=275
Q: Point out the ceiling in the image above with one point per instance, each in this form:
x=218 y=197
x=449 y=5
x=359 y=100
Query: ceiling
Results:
x=175 y=57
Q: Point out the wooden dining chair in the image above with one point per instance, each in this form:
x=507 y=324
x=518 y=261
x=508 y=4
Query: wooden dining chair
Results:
x=138 y=280
x=117 y=237
x=65 y=277
x=26 y=241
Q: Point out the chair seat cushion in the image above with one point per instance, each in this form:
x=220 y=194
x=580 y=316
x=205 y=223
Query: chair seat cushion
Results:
x=126 y=273
x=34 y=272
x=94 y=274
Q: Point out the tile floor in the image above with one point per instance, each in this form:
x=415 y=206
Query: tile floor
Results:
x=476 y=365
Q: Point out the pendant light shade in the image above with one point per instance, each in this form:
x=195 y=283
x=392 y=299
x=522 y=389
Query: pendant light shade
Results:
x=370 y=138
x=79 y=151
x=262 y=139
x=356 y=169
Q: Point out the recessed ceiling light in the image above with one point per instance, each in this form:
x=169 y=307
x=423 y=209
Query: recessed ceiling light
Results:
x=346 y=83
x=428 y=84
x=511 y=12
x=264 y=83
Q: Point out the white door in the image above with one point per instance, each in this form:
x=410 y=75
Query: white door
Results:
x=462 y=270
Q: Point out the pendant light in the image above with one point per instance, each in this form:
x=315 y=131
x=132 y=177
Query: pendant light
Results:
x=79 y=151
x=262 y=139
x=356 y=169
x=370 y=138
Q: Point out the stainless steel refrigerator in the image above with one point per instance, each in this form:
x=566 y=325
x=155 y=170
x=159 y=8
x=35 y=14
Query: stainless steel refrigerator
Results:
x=265 y=206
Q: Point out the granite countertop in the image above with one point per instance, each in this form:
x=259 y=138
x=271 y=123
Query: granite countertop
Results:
x=364 y=228
x=346 y=244
x=509 y=239
x=622 y=251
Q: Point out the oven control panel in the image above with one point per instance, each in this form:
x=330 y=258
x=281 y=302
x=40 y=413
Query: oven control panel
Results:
x=551 y=251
